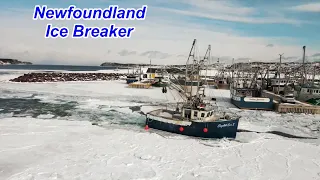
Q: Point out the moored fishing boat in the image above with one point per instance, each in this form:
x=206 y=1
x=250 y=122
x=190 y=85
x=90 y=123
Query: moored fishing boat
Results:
x=132 y=78
x=194 y=116
x=246 y=93
x=250 y=98
x=309 y=93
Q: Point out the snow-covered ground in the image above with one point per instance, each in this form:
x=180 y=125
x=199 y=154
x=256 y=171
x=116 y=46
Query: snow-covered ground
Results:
x=45 y=133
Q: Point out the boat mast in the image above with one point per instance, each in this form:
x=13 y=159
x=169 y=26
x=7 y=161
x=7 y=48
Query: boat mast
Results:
x=207 y=58
x=200 y=66
x=190 y=73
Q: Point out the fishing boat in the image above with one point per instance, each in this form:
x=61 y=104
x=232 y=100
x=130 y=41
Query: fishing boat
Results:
x=246 y=93
x=159 y=83
x=195 y=115
x=132 y=78
x=210 y=83
x=250 y=98
x=222 y=83
x=288 y=94
x=222 y=79
x=309 y=93
x=161 y=78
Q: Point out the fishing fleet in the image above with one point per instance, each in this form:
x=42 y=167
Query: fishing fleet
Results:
x=271 y=87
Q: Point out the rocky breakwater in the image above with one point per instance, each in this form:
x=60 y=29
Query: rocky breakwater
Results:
x=56 y=77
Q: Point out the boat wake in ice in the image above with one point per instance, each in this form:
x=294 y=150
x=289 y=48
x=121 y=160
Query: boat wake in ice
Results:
x=279 y=133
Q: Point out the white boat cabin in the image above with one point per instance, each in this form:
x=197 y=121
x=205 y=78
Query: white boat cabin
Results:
x=281 y=81
x=198 y=114
x=241 y=83
x=310 y=90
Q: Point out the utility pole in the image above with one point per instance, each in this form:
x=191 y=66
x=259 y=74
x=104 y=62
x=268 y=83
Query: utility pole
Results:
x=279 y=72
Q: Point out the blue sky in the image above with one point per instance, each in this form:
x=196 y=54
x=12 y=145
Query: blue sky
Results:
x=255 y=29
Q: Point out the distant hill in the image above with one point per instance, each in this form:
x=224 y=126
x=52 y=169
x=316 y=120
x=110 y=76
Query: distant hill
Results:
x=122 y=64
x=4 y=61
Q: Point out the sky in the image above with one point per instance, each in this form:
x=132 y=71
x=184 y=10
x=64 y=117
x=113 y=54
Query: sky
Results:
x=255 y=30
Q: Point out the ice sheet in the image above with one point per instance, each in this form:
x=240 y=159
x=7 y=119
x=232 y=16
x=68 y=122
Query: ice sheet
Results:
x=52 y=149
x=46 y=147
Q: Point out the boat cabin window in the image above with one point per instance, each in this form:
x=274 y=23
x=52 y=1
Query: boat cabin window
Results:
x=187 y=113
x=195 y=114
x=208 y=114
x=202 y=114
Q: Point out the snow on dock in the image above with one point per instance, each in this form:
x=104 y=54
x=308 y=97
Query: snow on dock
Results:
x=298 y=107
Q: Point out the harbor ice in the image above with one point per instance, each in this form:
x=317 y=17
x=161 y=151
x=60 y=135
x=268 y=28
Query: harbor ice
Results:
x=42 y=140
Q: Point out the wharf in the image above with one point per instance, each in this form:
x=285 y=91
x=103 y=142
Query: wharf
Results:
x=140 y=85
x=298 y=107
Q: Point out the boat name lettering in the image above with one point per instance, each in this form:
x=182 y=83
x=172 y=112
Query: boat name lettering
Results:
x=247 y=99
x=225 y=125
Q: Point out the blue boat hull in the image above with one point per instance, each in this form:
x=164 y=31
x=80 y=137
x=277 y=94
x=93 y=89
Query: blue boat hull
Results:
x=216 y=129
x=129 y=81
x=253 y=103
